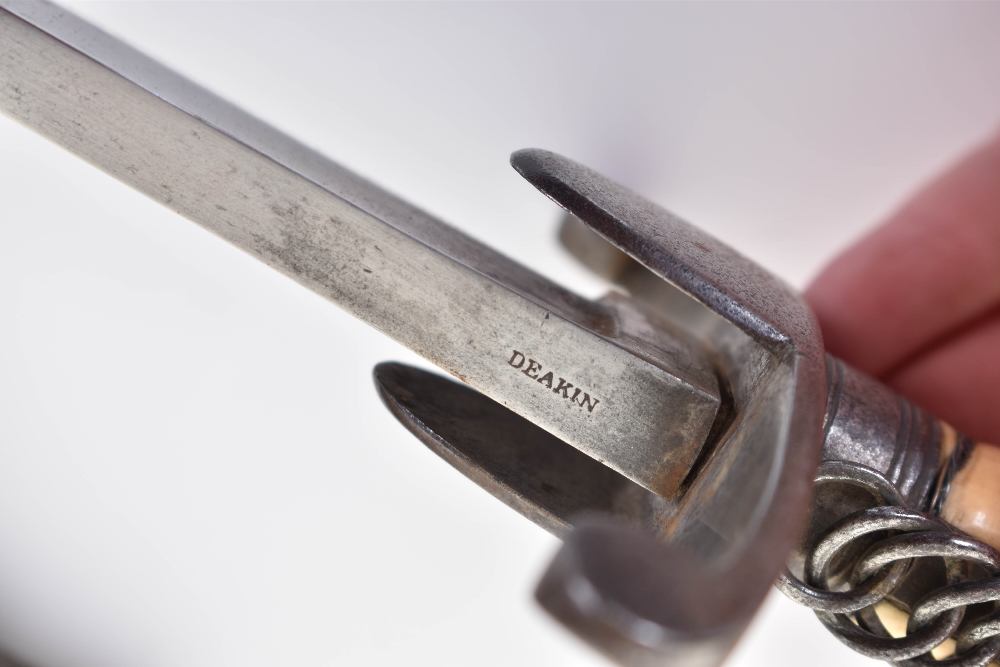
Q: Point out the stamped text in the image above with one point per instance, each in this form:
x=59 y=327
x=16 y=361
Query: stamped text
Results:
x=533 y=370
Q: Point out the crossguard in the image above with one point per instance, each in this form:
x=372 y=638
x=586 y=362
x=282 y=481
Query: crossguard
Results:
x=683 y=588
x=648 y=579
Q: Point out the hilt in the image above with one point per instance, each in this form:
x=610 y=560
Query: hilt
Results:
x=904 y=530
x=652 y=577
x=673 y=579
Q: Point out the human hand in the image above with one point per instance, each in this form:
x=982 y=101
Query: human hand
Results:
x=916 y=303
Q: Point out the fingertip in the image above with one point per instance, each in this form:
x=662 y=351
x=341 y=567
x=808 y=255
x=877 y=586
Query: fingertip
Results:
x=930 y=270
x=958 y=380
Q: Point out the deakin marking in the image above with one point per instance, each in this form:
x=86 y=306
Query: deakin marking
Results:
x=557 y=385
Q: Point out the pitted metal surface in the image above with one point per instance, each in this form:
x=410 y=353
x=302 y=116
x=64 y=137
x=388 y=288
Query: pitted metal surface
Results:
x=670 y=433
x=734 y=518
x=681 y=591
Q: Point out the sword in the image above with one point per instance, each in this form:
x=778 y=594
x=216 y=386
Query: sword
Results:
x=671 y=410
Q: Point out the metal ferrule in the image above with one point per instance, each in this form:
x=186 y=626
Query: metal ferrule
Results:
x=869 y=424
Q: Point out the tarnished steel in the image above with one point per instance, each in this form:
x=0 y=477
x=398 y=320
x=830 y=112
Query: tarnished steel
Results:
x=894 y=567
x=670 y=431
x=869 y=424
x=593 y=374
x=682 y=592
x=523 y=465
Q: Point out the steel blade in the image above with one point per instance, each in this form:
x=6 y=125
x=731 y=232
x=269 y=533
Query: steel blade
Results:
x=596 y=375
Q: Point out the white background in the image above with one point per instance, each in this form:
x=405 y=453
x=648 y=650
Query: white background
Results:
x=194 y=466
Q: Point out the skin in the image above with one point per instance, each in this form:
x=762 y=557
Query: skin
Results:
x=916 y=303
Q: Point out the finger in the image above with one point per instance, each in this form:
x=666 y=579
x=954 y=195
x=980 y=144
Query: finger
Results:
x=959 y=380
x=931 y=268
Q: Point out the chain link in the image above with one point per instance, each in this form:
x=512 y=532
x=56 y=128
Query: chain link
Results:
x=903 y=537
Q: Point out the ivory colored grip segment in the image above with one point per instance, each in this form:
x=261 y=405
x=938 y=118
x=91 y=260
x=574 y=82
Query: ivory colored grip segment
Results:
x=973 y=502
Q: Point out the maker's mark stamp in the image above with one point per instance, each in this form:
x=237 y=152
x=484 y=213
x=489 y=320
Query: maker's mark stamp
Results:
x=533 y=370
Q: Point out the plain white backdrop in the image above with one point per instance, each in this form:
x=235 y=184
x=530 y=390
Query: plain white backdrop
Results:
x=194 y=466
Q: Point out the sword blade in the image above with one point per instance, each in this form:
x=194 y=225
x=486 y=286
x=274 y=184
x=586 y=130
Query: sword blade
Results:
x=642 y=406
